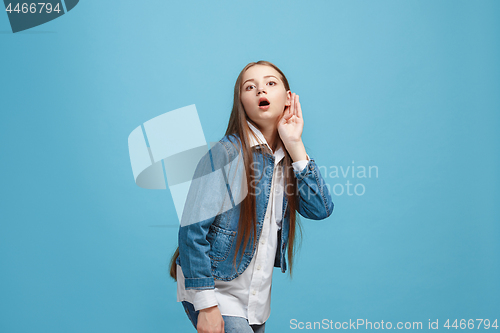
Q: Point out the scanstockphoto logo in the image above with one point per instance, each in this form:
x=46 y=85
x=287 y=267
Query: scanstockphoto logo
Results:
x=358 y=174
x=25 y=15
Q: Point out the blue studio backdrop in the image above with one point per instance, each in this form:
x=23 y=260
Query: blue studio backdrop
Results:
x=406 y=90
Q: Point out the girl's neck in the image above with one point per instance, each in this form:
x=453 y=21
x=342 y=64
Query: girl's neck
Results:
x=271 y=136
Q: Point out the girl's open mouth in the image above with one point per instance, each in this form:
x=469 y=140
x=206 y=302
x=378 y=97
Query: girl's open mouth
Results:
x=264 y=103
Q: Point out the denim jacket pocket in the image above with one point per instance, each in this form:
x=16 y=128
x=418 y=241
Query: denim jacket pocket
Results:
x=220 y=241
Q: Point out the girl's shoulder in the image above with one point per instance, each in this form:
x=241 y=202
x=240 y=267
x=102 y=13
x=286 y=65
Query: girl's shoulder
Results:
x=234 y=138
x=232 y=143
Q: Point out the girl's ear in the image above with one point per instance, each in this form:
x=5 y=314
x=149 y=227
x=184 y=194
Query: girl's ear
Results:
x=288 y=98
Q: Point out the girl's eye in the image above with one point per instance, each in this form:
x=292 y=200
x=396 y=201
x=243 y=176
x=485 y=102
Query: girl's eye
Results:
x=248 y=87
x=273 y=83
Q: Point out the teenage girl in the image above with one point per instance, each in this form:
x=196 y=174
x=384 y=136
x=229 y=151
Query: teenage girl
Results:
x=265 y=128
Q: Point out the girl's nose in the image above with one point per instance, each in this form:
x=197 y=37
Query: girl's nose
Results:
x=260 y=91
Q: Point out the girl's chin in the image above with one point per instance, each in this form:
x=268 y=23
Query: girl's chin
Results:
x=268 y=111
x=268 y=116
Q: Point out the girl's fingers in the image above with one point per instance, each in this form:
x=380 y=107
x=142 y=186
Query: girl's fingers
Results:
x=290 y=111
x=286 y=115
x=299 y=109
x=292 y=104
x=296 y=101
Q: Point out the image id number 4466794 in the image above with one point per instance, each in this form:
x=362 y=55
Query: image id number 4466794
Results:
x=33 y=8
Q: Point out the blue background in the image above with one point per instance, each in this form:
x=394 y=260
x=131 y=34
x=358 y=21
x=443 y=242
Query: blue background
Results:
x=411 y=87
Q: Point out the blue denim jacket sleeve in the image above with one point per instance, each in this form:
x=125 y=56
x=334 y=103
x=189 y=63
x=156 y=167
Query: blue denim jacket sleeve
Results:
x=315 y=201
x=205 y=200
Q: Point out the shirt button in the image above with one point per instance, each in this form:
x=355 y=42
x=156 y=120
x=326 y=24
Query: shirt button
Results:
x=254 y=292
x=262 y=241
x=259 y=267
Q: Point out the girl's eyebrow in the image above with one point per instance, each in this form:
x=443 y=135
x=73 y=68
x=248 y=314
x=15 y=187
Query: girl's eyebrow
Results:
x=264 y=77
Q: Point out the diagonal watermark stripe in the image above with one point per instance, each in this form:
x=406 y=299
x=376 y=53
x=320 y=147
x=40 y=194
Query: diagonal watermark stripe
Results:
x=170 y=149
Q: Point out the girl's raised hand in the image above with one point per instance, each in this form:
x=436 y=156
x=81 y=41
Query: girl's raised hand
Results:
x=291 y=123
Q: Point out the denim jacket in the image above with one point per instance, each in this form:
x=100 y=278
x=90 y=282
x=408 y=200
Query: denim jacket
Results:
x=207 y=242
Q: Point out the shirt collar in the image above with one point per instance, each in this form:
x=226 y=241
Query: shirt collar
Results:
x=279 y=154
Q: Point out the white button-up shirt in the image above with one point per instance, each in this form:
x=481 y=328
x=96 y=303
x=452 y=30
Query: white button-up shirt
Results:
x=249 y=294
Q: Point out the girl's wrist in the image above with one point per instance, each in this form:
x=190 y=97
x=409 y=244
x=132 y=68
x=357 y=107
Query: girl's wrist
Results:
x=296 y=150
